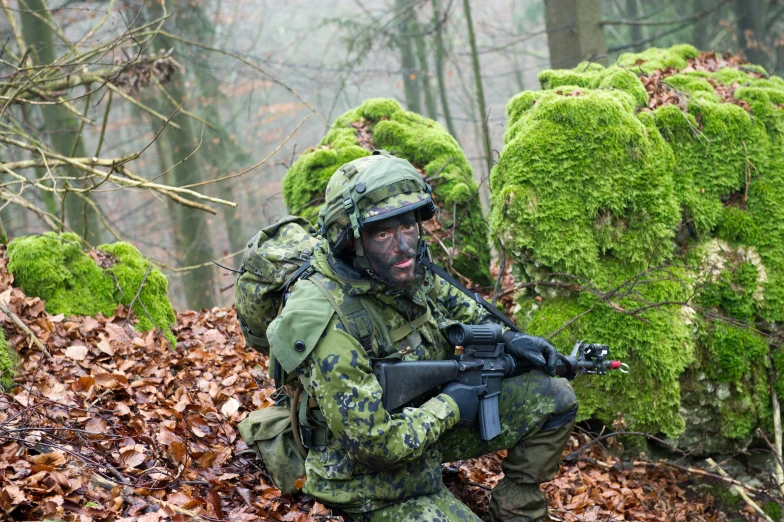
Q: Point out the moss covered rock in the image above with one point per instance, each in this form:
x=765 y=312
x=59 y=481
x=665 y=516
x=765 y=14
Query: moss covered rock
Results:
x=646 y=199
x=8 y=362
x=382 y=123
x=56 y=269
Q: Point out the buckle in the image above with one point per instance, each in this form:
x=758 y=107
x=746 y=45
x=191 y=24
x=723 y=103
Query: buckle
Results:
x=306 y=434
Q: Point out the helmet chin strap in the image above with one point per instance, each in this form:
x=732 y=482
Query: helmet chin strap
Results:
x=421 y=244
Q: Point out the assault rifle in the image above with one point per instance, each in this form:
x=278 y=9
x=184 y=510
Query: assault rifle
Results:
x=483 y=363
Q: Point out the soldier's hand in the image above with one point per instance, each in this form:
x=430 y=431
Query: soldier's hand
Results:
x=467 y=399
x=532 y=350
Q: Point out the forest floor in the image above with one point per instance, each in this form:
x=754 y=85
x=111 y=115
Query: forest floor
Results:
x=108 y=424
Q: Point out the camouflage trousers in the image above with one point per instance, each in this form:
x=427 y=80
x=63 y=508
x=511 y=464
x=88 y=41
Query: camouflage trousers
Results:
x=537 y=414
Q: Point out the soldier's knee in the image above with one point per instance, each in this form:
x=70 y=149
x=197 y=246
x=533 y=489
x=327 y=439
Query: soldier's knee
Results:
x=564 y=402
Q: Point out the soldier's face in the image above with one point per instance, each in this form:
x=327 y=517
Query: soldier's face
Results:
x=390 y=246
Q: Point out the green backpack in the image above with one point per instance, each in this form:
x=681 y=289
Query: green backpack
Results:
x=274 y=258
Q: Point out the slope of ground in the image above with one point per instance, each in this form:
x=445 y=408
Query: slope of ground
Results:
x=110 y=424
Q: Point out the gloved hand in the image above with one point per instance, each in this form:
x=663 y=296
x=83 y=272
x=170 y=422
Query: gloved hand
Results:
x=467 y=399
x=532 y=350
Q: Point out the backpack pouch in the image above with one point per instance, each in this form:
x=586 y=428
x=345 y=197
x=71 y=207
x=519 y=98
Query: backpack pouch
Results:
x=269 y=432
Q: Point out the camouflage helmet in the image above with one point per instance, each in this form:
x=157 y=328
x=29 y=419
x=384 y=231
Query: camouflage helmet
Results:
x=370 y=189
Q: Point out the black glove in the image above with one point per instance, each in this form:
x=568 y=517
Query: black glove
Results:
x=467 y=399
x=532 y=350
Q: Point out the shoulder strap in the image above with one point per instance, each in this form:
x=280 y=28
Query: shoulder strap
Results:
x=428 y=263
x=351 y=311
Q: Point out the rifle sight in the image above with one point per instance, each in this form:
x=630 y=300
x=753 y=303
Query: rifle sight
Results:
x=470 y=334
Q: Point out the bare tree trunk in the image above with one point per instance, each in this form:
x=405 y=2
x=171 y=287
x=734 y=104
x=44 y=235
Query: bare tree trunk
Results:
x=750 y=18
x=635 y=31
x=484 y=192
x=3 y=235
x=406 y=29
x=702 y=29
x=424 y=74
x=440 y=56
x=61 y=126
x=219 y=150
x=192 y=231
x=32 y=118
x=574 y=32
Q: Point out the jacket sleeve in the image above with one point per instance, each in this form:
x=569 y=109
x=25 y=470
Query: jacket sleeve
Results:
x=339 y=375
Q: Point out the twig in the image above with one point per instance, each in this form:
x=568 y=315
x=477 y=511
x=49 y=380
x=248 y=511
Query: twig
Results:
x=18 y=322
x=314 y=201
x=138 y=292
x=140 y=105
x=740 y=490
x=249 y=64
x=774 y=399
x=454 y=225
x=501 y=271
x=194 y=267
x=238 y=174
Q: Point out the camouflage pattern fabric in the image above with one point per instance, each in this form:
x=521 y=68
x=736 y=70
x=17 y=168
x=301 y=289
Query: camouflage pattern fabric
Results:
x=271 y=258
x=375 y=459
x=441 y=506
x=373 y=187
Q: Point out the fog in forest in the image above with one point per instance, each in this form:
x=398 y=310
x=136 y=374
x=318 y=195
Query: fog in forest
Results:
x=259 y=82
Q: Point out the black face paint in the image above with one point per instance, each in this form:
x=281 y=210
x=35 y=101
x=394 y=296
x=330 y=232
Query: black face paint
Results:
x=391 y=247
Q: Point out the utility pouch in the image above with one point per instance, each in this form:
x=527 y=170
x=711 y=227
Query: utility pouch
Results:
x=269 y=432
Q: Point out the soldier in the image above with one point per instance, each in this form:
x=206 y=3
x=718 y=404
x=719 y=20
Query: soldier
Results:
x=379 y=465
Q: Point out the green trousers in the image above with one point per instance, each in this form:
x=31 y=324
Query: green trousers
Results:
x=537 y=414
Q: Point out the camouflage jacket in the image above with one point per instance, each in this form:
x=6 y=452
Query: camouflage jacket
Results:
x=373 y=458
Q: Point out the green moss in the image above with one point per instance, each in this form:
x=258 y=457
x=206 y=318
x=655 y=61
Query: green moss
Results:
x=428 y=146
x=594 y=76
x=737 y=226
x=773 y=510
x=590 y=191
x=692 y=85
x=56 y=269
x=8 y=361
x=723 y=497
x=153 y=307
x=655 y=58
x=657 y=346
x=575 y=199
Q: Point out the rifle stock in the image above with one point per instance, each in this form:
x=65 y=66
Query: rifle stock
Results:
x=404 y=381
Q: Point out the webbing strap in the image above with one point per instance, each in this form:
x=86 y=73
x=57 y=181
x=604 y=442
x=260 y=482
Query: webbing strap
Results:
x=401 y=332
x=428 y=263
x=351 y=312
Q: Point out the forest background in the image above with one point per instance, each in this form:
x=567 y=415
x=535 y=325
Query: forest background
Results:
x=262 y=80
x=170 y=125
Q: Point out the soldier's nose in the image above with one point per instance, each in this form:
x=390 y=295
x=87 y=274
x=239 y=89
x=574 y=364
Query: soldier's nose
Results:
x=400 y=242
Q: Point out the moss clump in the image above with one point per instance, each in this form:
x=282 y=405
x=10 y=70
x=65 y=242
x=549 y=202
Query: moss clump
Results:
x=595 y=76
x=659 y=59
x=574 y=200
x=692 y=85
x=658 y=348
x=773 y=510
x=601 y=196
x=8 y=362
x=423 y=142
x=56 y=269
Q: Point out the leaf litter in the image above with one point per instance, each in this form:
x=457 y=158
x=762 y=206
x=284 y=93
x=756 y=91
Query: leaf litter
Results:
x=118 y=426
